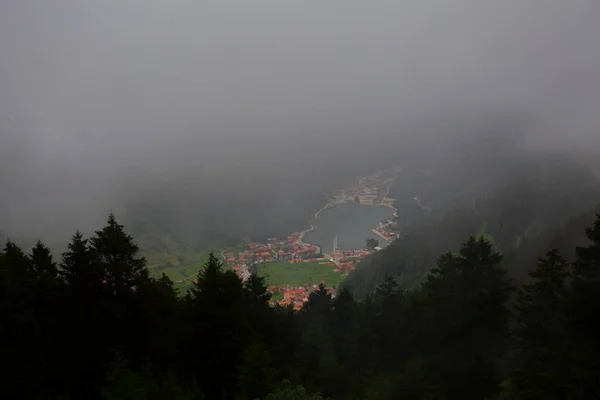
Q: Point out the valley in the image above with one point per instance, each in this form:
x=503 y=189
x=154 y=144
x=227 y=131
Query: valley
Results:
x=331 y=247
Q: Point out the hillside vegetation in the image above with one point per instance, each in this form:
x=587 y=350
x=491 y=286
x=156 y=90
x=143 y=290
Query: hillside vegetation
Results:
x=523 y=217
x=97 y=325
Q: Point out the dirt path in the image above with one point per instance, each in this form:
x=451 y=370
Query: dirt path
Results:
x=187 y=278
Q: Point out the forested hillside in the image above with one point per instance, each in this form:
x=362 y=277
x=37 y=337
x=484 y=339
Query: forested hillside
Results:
x=95 y=325
x=524 y=214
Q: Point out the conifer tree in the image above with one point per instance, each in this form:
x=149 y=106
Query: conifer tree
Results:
x=343 y=321
x=540 y=334
x=256 y=290
x=42 y=262
x=258 y=312
x=257 y=376
x=78 y=269
x=157 y=321
x=18 y=327
x=87 y=316
x=316 y=364
x=18 y=266
x=389 y=325
x=319 y=302
x=583 y=308
x=287 y=391
x=218 y=331
x=118 y=255
x=47 y=312
x=123 y=383
x=345 y=336
x=466 y=302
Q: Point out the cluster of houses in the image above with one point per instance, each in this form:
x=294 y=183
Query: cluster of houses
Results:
x=305 y=251
x=356 y=253
x=297 y=248
x=292 y=250
x=342 y=260
x=297 y=296
x=385 y=231
x=242 y=271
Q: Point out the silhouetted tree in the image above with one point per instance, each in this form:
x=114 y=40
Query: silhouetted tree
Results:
x=78 y=269
x=24 y=375
x=540 y=335
x=583 y=308
x=372 y=243
x=218 y=329
x=156 y=320
x=467 y=310
x=42 y=263
x=286 y=391
x=61 y=327
x=86 y=321
x=125 y=383
x=117 y=254
x=257 y=375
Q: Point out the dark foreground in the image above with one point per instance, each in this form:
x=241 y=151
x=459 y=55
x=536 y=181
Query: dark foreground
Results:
x=95 y=325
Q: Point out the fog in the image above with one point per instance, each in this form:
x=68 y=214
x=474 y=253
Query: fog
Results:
x=106 y=102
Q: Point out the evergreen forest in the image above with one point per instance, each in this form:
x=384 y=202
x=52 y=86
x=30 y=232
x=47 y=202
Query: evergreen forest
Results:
x=94 y=324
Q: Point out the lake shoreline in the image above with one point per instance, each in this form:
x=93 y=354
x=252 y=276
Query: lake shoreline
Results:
x=354 y=233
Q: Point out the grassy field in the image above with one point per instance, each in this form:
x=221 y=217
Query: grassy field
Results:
x=176 y=266
x=283 y=273
x=183 y=287
x=182 y=264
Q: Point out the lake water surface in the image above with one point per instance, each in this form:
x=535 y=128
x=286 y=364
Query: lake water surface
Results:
x=352 y=223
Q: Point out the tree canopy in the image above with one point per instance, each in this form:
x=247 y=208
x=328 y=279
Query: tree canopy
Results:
x=96 y=324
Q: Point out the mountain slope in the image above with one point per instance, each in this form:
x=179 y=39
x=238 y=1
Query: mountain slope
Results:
x=525 y=215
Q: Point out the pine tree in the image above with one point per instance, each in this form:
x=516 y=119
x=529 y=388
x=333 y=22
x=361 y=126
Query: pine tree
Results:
x=218 y=331
x=315 y=363
x=18 y=267
x=42 y=262
x=257 y=376
x=78 y=269
x=345 y=336
x=47 y=312
x=319 y=302
x=540 y=333
x=86 y=319
x=157 y=321
x=389 y=325
x=117 y=254
x=467 y=310
x=256 y=290
x=29 y=323
x=583 y=308
x=18 y=326
x=123 y=383
x=258 y=313
x=286 y=391
x=587 y=265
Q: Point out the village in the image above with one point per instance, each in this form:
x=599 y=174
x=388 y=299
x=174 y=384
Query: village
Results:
x=386 y=230
x=293 y=251
x=369 y=191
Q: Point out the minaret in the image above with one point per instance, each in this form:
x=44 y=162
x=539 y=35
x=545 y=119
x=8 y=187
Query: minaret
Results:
x=335 y=244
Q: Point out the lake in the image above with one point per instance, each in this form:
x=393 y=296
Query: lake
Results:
x=352 y=223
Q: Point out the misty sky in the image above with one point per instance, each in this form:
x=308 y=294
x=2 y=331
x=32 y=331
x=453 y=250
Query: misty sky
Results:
x=98 y=97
